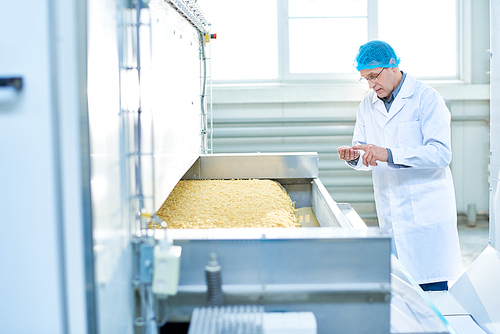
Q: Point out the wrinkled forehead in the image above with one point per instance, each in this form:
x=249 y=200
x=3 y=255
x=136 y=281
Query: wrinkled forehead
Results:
x=369 y=72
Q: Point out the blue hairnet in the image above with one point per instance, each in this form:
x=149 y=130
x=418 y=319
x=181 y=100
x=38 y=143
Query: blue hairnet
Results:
x=375 y=54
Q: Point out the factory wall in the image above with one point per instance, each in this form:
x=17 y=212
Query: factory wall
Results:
x=323 y=126
x=319 y=116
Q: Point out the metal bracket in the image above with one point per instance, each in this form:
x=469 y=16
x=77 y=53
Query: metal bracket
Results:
x=146 y=263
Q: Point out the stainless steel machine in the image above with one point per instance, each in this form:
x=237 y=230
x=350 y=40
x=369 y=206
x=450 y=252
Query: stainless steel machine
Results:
x=335 y=271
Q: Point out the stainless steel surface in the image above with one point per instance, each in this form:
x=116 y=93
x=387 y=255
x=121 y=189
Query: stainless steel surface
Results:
x=232 y=319
x=351 y=215
x=337 y=270
x=299 y=191
x=454 y=313
x=173 y=86
x=411 y=310
x=341 y=275
x=260 y=165
x=477 y=290
x=326 y=210
x=108 y=96
x=296 y=172
x=144 y=106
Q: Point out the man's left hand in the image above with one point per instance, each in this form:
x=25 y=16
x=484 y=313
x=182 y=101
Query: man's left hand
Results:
x=372 y=154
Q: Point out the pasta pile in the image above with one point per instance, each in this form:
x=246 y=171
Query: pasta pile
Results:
x=228 y=204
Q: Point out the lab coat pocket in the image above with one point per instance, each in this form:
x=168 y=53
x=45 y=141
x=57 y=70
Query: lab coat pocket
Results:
x=409 y=134
x=432 y=202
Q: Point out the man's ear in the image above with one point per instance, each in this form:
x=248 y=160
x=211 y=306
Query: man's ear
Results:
x=394 y=69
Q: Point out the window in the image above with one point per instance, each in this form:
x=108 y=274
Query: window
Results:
x=283 y=40
x=426 y=40
x=323 y=34
x=246 y=47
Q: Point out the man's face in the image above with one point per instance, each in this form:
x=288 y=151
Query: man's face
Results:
x=384 y=84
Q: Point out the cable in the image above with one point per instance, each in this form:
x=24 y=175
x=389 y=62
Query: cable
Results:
x=159 y=304
x=203 y=113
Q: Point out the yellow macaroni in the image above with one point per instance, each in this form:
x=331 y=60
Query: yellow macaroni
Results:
x=228 y=203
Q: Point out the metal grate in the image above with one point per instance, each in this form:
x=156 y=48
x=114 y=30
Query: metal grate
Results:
x=227 y=319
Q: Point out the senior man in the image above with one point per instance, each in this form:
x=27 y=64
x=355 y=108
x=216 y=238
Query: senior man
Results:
x=402 y=134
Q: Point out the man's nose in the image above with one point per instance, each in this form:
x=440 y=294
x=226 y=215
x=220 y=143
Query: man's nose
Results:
x=371 y=84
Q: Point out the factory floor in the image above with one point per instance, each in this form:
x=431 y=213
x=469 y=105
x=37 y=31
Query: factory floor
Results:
x=473 y=238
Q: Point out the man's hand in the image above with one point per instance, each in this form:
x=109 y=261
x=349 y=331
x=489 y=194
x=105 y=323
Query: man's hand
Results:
x=372 y=154
x=347 y=153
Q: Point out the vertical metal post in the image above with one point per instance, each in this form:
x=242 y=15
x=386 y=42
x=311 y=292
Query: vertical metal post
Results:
x=133 y=153
x=137 y=129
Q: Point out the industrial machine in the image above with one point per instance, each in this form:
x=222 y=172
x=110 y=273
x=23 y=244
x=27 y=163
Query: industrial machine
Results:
x=126 y=99
x=334 y=272
x=339 y=271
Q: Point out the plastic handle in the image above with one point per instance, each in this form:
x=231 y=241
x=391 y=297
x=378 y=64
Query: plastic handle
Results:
x=16 y=83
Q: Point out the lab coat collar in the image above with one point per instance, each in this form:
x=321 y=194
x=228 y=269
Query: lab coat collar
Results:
x=406 y=91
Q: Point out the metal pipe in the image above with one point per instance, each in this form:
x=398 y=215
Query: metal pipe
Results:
x=270 y=148
x=325 y=165
x=283 y=120
x=267 y=120
x=343 y=181
x=471 y=215
x=351 y=197
x=284 y=131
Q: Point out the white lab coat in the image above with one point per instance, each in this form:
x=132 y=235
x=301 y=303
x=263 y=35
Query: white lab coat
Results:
x=416 y=204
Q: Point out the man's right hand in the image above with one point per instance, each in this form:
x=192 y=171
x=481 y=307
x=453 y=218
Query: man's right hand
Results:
x=347 y=153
